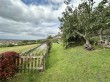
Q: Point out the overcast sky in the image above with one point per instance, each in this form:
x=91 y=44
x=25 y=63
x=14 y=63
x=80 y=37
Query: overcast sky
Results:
x=31 y=19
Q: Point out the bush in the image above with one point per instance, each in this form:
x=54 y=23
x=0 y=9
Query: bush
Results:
x=41 y=41
x=10 y=45
x=54 y=40
x=49 y=44
x=7 y=65
x=7 y=45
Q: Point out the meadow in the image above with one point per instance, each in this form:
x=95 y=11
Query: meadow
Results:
x=18 y=49
x=72 y=65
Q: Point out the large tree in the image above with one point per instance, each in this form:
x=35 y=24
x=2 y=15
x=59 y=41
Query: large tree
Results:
x=77 y=22
x=85 y=22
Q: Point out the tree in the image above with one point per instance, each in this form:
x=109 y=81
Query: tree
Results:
x=101 y=18
x=102 y=22
x=77 y=22
x=49 y=37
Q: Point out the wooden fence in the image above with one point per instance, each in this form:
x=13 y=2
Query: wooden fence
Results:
x=30 y=62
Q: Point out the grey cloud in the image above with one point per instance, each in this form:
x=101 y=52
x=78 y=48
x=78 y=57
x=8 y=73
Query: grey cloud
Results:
x=18 y=11
x=13 y=28
x=32 y=21
x=15 y=12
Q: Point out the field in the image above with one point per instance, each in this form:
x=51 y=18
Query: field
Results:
x=72 y=65
x=18 y=49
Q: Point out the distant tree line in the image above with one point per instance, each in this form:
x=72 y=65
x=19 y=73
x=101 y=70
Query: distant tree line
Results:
x=20 y=43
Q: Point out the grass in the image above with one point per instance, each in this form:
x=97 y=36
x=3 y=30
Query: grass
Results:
x=18 y=49
x=72 y=65
x=39 y=52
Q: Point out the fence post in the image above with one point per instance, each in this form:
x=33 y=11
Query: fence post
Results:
x=17 y=64
x=43 y=64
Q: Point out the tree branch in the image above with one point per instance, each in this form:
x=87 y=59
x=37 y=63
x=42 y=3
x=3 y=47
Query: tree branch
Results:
x=79 y=34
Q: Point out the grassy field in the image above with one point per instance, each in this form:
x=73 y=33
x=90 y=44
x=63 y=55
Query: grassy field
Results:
x=18 y=49
x=72 y=65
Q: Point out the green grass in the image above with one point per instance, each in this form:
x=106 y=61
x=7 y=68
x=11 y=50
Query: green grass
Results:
x=39 y=52
x=72 y=65
x=18 y=49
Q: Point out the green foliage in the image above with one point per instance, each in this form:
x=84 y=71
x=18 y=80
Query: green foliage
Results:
x=26 y=42
x=41 y=41
x=49 y=37
x=94 y=40
x=84 y=21
x=101 y=14
x=54 y=40
x=7 y=45
x=76 y=22
x=49 y=44
x=10 y=45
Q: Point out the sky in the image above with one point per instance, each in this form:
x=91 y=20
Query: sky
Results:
x=31 y=19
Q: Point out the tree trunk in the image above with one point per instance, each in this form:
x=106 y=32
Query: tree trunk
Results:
x=87 y=45
x=103 y=42
x=100 y=36
x=87 y=42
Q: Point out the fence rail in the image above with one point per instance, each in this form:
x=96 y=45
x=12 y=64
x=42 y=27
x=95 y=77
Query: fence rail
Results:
x=29 y=51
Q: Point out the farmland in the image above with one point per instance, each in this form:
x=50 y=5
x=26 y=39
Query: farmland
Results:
x=72 y=65
x=18 y=49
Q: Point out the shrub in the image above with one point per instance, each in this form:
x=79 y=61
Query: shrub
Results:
x=7 y=65
x=54 y=40
x=41 y=41
x=49 y=44
x=10 y=45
